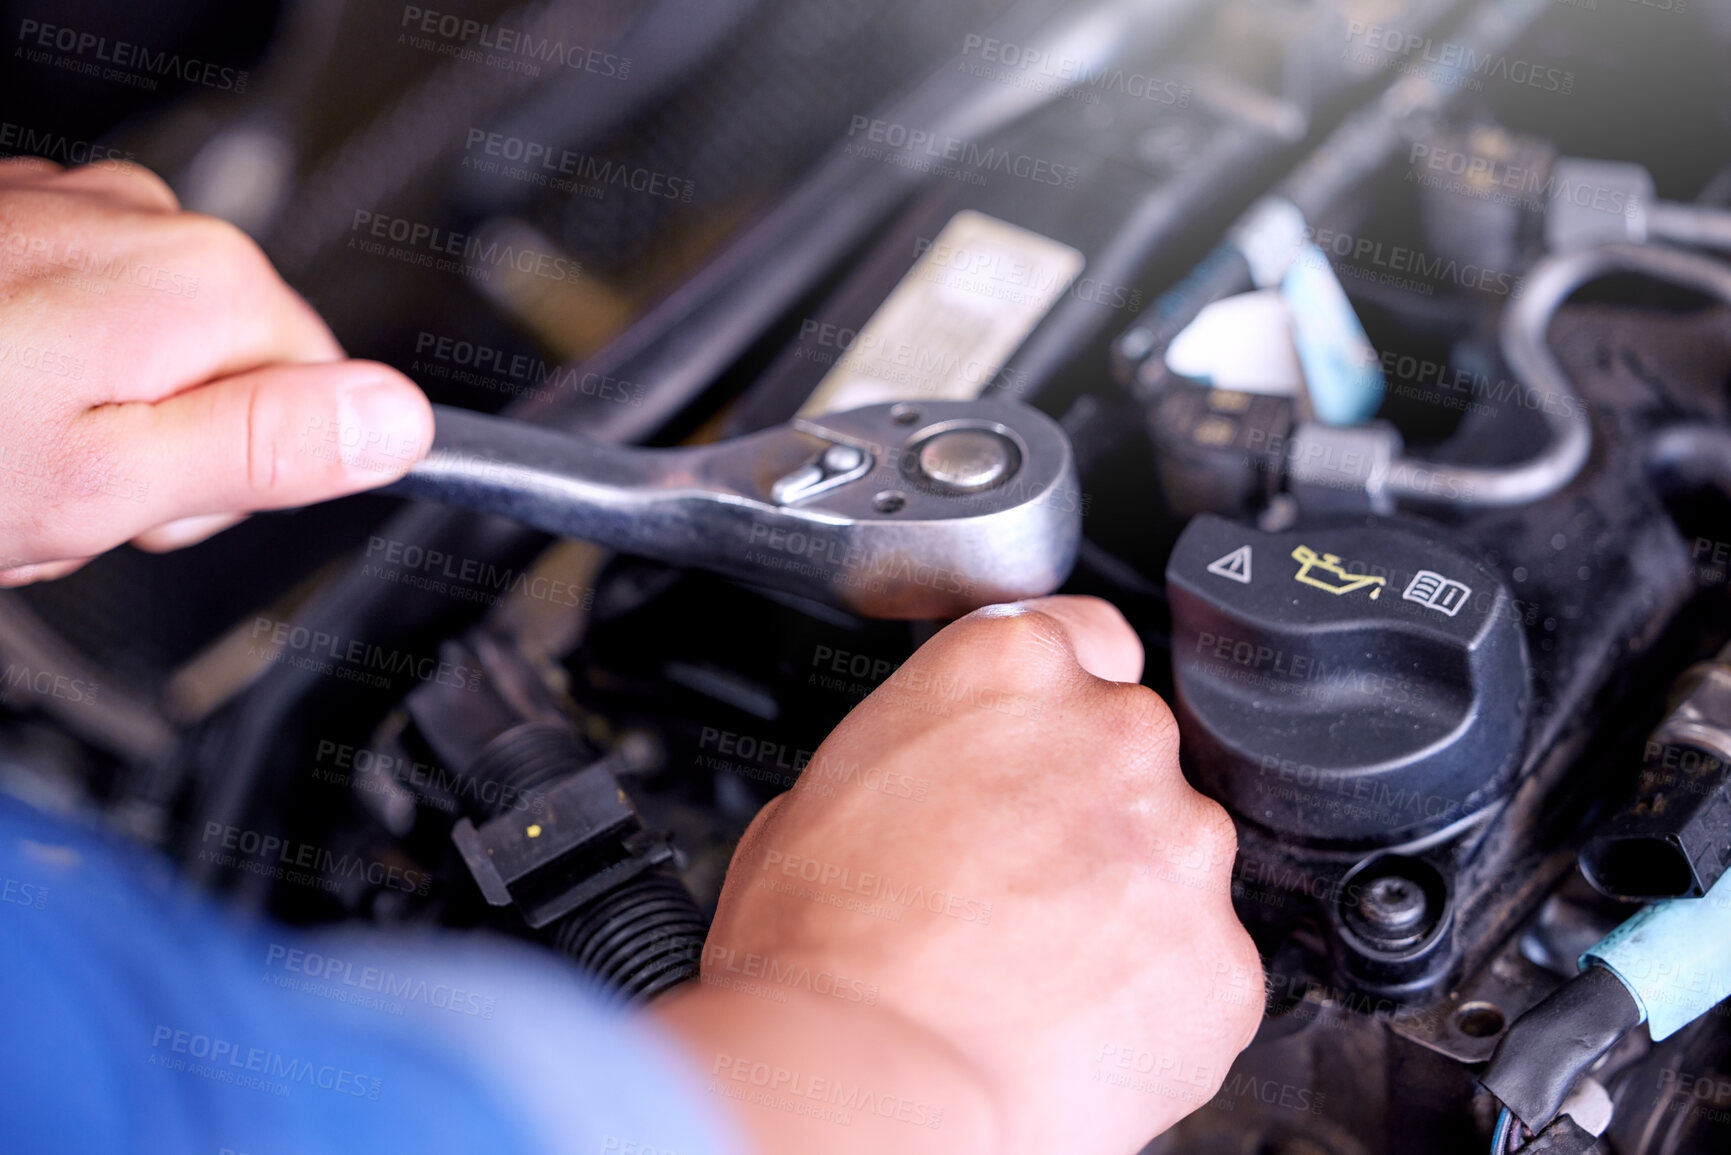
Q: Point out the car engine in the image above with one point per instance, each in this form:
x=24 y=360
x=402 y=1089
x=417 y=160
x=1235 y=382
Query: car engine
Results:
x=1372 y=356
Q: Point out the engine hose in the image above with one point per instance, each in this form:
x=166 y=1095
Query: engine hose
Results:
x=641 y=939
x=637 y=940
x=528 y=757
x=1526 y=347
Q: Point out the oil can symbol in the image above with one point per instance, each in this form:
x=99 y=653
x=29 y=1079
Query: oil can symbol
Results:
x=1429 y=588
x=1333 y=576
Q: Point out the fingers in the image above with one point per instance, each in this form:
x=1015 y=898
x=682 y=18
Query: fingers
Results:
x=148 y=301
x=19 y=169
x=185 y=531
x=170 y=474
x=46 y=571
x=119 y=181
x=1026 y=667
x=1103 y=642
x=198 y=300
x=268 y=439
x=1027 y=645
x=759 y=830
x=163 y=401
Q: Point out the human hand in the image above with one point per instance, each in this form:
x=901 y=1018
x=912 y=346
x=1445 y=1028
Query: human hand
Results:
x=159 y=380
x=992 y=916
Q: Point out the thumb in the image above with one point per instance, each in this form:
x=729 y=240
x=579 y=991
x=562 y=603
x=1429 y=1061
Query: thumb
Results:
x=267 y=439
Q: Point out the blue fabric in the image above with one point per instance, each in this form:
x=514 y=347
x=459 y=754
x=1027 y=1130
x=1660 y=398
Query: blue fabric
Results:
x=135 y=1017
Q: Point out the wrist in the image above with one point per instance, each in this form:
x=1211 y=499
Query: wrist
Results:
x=809 y=1074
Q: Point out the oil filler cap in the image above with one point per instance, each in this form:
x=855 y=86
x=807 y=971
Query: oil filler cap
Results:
x=1365 y=683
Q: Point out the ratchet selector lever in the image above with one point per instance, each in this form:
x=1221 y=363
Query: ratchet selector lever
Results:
x=910 y=510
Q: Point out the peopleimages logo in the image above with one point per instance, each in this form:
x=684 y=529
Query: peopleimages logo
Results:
x=289 y=642
x=102 y=268
x=1045 y=72
x=800 y=1093
x=954 y=156
x=373 y=980
x=502 y=44
x=721 y=962
x=431 y=241
x=466 y=578
x=47 y=683
x=363 y=769
x=451 y=251
x=250 y=850
x=1531 y=187
x=544 y=164
x=825 y=555
x=877 y=887
x=132 y=63
x=1396 y=259
x=22 y=140
x=228 y=1060
x=35 y=895
x=990 y=272
x=474 y=363
x=1445 y=61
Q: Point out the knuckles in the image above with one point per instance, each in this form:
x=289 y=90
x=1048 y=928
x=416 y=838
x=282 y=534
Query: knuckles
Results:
x=1028 y=652
x=1238 y=1010
x=268 y=448
x=70 y=478
x=23 y=168
x=1216 y=830
x=142 y=178
x=122 y=182
x=1021 y=633
x=1141 y=719
x=222 y=250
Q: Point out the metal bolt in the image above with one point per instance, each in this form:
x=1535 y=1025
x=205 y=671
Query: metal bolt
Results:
x=967 y=460
x=889 y=502
x=842 y=458
x=1393 y=903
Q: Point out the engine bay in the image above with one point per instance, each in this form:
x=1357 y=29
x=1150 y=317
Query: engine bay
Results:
x=1372 y=356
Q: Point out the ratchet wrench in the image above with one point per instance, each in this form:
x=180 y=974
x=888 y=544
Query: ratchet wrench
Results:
x=907 y=510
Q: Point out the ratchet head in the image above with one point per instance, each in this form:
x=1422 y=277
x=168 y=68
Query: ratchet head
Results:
x=912 y=510
x=917 y=510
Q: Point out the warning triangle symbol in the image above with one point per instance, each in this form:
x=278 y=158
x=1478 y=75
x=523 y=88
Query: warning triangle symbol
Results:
x=1235 y=565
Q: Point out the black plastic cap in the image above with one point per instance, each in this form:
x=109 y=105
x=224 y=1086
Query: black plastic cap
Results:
x=1365 y=683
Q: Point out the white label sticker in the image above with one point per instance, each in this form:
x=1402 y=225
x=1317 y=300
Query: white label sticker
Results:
x=968 y=303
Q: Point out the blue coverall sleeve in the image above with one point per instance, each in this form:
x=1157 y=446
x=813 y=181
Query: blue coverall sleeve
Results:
x=136 y=1017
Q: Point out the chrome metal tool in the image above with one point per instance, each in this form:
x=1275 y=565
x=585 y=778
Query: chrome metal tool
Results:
x=908 y=510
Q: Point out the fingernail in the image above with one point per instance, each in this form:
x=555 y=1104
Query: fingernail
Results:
x=42 y=571
x=186 y=531
x=384 y=427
